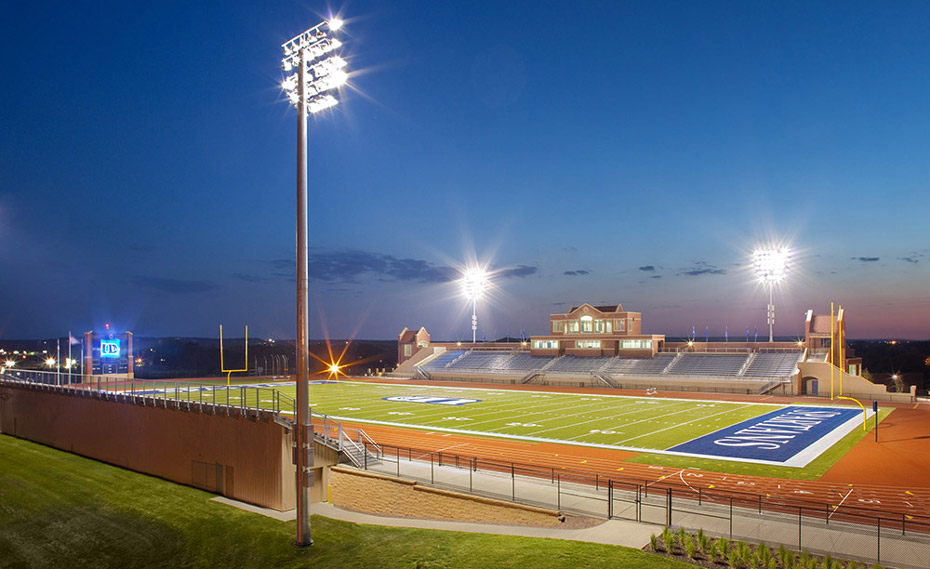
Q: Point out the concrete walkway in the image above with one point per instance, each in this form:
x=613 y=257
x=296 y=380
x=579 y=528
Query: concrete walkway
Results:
x=610 y=532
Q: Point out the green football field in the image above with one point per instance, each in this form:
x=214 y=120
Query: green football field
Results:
x=638 y=423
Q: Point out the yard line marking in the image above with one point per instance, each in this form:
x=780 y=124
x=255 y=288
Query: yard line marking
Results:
x=837 y=507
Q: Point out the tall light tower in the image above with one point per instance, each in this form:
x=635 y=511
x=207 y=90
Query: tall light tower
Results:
x=771 y=266
x=474 y=283
x=318 y=71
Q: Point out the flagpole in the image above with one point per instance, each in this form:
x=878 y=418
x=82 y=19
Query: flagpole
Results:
x=58 y=364
x=69 y=356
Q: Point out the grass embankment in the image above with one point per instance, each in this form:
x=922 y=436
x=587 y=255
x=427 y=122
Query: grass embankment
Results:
x=63 y=510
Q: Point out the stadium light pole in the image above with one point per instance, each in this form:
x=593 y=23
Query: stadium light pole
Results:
x=771 y=266
x=318 y=71
x=474 y=283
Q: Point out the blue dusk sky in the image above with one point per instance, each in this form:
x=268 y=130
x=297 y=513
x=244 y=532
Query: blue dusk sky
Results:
x=601 y=152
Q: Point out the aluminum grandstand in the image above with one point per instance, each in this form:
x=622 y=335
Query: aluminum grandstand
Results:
x=603 y=346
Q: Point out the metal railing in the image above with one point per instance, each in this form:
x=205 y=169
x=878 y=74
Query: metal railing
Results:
x=863 y=533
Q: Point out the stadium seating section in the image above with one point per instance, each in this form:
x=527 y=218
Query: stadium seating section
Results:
x=755 y=365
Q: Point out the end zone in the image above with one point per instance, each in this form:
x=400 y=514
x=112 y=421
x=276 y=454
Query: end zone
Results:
x=792 y=436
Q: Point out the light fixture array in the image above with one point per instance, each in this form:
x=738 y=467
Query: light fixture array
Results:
x=323 y=70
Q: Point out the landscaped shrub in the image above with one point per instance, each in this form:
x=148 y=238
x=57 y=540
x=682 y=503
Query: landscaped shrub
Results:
x=668 y=540
x=690 y=547
x=733 y=559
x=654 y=542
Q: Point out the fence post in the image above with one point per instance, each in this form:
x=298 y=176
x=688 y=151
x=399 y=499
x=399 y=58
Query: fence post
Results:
x=513 y=484
x=731 y=517
x=610 y=499
x=699 y=495
x=470 y=486
x=799 y=528
x=878 y=558
x=668 y=494
x=431 y=477
x=558 y=499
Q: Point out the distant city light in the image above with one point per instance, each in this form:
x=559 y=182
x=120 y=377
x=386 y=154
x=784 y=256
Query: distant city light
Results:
x=50 y=362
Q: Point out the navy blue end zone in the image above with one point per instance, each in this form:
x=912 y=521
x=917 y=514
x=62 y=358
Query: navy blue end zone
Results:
x=792 y=436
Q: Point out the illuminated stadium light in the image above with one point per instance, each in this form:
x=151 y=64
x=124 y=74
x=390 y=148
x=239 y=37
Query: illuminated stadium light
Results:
x=319 y=71
x=316 y=74
x=9 y=363
x=474 y=285
x=50 y=362
x=771 y=266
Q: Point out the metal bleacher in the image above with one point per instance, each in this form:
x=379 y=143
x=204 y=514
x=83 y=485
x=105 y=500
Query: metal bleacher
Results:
x=639 y=366
x=575 y=364
x=524 y=361
x=717 y=365
x=773 y=364
x=444 y=359
x=680 y=366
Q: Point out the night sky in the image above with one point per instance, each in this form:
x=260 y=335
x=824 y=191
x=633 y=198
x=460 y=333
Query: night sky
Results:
x=600 y=152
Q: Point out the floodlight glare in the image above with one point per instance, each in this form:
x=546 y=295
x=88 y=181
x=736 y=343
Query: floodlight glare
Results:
x=474 y=284
x=335 y=24
x=771 y=266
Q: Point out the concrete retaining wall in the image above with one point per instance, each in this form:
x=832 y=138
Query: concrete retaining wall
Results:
x=247 y=458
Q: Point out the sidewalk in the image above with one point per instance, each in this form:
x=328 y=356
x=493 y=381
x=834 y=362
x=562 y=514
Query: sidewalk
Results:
x=610 y=532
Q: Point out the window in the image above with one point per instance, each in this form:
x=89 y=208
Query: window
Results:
x=618 y=326
x=608 y=326
x=408 y=350
x=636 y=344
x=546 y=344
x=599 y=326
x=588 y=344
x=587 y=324
x=571 y=327
x=556 y=326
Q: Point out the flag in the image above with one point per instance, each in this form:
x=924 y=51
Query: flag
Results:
x=72 y=340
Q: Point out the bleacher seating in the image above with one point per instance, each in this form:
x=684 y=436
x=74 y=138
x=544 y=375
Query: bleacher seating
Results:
x=444 y=359
x=478 y=360
x=773 y=364
x=718 y=365
x=639 y=366
x=523 y=361
x=578 y=364
x=759 y=365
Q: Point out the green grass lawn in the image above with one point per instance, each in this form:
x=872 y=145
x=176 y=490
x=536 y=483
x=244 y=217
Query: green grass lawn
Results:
x=65 y=511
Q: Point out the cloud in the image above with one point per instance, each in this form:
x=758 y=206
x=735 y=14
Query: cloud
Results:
x=577 y=273
x=174 y=286
x=656 y=277
x=353 y=264
x=908 y=259
x=865 y=259
x=519 y=271
x=648 y=268
x=702 y=268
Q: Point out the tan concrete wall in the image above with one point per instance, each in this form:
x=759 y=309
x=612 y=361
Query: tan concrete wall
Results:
x=378 y=494
x=852 y=385
x=243 y=458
